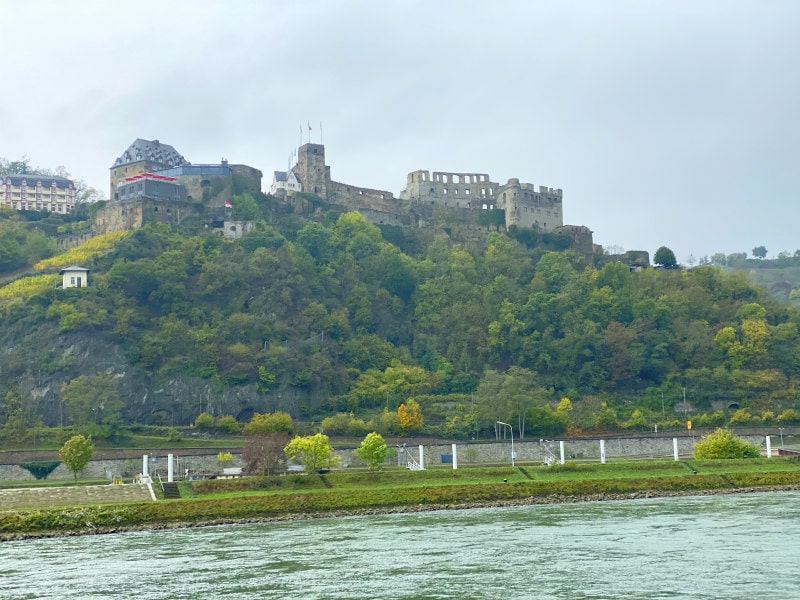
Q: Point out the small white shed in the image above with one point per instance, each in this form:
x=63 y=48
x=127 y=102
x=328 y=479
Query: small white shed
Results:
x=75 y=277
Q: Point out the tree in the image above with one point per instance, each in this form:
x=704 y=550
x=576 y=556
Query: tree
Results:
x=724 y=444
x=410 y=416
x=16 y=424
x=14 y=167
x=372 y=450
x=76 y=453
x=245 y=207
x=313 y=451
x=263 y=454
x=93 y=400
x=760 y=252
x=665 y=258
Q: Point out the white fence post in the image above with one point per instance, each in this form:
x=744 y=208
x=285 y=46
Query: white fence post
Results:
x=602 y=452
x=455 y=458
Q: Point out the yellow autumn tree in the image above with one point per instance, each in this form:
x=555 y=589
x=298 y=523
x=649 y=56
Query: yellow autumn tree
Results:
x=410 y=416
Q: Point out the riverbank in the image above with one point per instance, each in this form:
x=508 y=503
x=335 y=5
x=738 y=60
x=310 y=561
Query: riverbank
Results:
x=364 y=512
x=381 y=495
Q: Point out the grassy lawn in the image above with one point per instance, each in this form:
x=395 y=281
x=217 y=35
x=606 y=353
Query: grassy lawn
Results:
x=357 y=491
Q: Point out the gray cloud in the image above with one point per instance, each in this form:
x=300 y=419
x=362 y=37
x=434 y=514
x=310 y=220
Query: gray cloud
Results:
x=664 y=123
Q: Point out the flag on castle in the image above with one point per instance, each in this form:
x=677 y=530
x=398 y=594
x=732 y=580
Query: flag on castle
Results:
x=309 y=125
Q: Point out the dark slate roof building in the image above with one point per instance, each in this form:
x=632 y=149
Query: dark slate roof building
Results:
x=153 y=151
x=143 y=156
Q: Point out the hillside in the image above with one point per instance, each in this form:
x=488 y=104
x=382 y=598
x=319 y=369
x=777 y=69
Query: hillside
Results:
x=336 y=315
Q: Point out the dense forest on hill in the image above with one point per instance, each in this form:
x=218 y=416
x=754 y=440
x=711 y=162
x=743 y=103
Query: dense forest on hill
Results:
x=337 y=316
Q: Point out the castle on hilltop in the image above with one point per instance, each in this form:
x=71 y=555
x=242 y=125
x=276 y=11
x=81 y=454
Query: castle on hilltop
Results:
x=523 y=204
x=151 y=181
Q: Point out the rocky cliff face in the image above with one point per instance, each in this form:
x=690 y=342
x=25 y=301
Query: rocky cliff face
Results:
x=39 y=360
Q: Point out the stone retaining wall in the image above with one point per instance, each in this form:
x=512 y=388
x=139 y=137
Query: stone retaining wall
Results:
x=474 y=453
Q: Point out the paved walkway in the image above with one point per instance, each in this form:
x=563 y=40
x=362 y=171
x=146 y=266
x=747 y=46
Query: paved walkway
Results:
x=74 y=495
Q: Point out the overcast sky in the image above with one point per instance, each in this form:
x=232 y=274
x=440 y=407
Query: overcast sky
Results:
x=665 y=123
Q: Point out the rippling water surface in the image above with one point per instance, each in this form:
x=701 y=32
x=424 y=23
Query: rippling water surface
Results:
x=722 y=547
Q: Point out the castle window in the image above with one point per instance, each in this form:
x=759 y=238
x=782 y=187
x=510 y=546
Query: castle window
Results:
x=466 y=191
x=455 y=191
x=444 y=191
x=432 y=190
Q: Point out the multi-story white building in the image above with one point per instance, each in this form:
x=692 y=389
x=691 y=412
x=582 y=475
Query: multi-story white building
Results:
x=37 y=192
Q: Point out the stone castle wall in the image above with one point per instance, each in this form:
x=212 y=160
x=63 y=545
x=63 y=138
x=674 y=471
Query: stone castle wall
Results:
x=527 y=207
x=132 y=214
x=453 y=190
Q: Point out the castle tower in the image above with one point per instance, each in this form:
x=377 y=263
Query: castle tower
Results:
x=311 y=170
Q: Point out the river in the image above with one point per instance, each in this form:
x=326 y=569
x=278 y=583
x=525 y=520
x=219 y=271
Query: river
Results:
x=722 y=547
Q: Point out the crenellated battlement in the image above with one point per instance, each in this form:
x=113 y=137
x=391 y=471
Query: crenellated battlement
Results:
x=525 y=204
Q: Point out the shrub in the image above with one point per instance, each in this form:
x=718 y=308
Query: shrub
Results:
x=724 y=444
x=204 y=422
x=277 y=422
x=228 y=424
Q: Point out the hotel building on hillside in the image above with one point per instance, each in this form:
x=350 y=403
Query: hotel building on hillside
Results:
x=37 y=192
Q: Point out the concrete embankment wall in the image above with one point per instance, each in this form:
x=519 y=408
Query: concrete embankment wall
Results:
x=474 y=453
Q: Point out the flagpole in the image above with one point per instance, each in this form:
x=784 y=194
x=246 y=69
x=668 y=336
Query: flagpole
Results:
x=320 y=133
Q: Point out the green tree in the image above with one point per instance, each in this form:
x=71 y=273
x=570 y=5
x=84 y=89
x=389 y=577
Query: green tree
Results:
x=313 y=451
x=245 y=207
x=760 y=252
x=76 y=453
x=372 y=450
x=93 y=400
x=15 y=167
x=724 y=444
x=16 y=424
x=665 y=258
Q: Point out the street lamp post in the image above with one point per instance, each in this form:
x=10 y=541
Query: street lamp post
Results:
x=781 y=430
x=513 y=454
